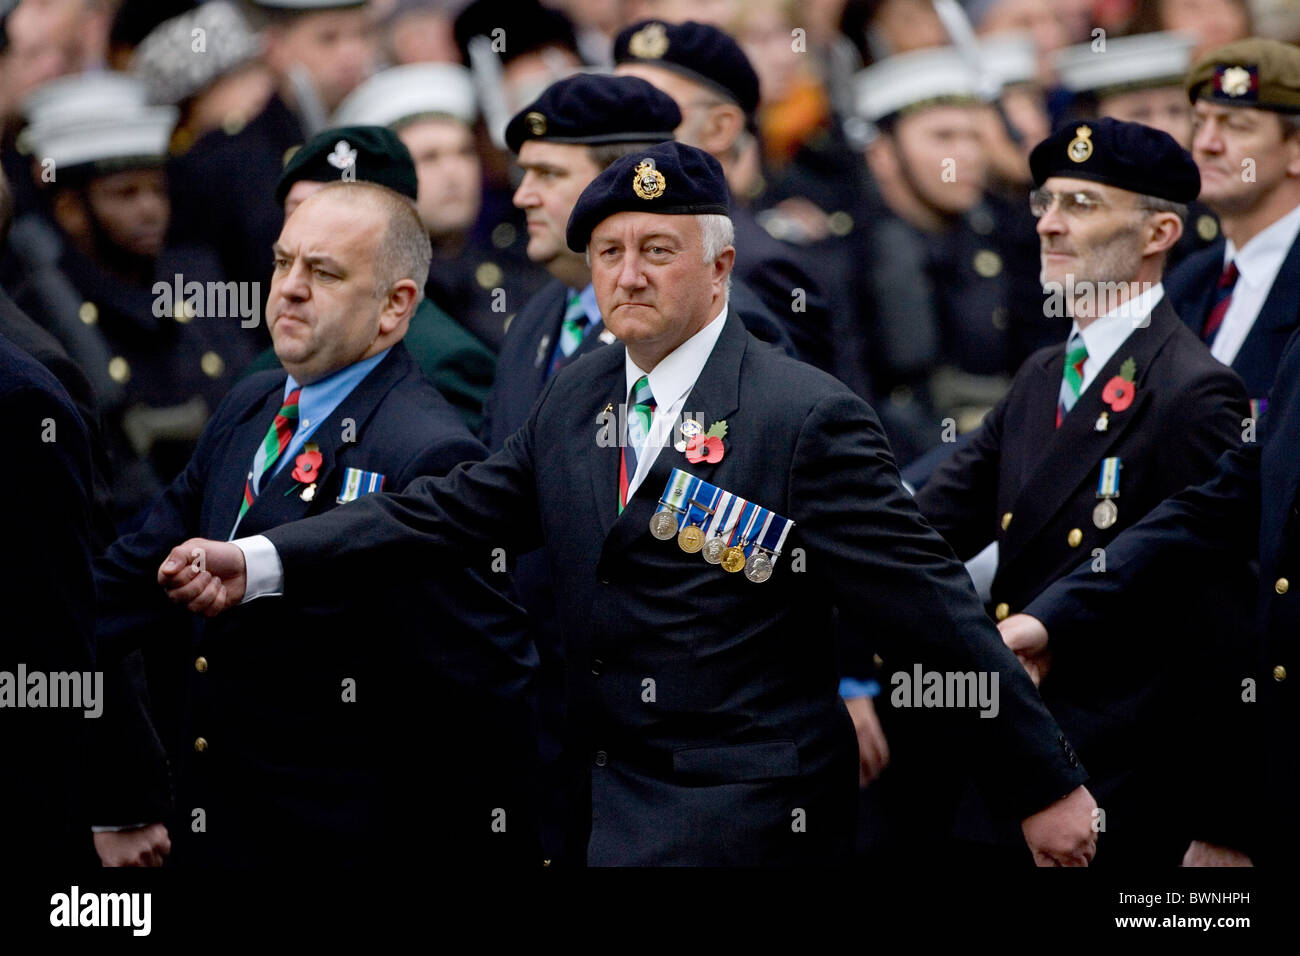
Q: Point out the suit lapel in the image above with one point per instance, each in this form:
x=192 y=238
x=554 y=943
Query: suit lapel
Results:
x=1072 y=452
x=608 y=420
x=714 y=397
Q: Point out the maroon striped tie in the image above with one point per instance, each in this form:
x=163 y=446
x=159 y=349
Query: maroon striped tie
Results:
x=1222 y=299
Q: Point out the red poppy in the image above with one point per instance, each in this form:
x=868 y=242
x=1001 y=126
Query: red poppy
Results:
x=306 y=467
x=1118 y=393
x=702 y=448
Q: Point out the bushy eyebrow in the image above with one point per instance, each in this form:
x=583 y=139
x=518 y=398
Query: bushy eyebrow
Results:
x=312 y=259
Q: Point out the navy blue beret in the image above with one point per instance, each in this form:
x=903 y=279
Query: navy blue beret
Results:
x=528 y=27
x=697 y=51
x=1126 y=155
x=376 y=153
x=671 y=179
x=591 y=108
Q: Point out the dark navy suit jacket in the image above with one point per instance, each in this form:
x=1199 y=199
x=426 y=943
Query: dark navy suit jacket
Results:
x=1191 y=287
x=436 y=658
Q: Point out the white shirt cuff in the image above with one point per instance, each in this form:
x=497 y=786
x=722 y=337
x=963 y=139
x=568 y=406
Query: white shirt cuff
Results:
x=262 y=568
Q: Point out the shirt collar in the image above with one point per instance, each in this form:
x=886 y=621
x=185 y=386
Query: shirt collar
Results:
x=1103 y=337
x=676 y=373
x=1259 y=260
x=321 y=397
x=588 y=299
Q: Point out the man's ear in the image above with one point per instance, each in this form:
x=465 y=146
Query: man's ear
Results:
x=1291 y=147
x=723 y=265
x=399 y=306
x=882 y=161
x=723 y=127
x=1164 y=229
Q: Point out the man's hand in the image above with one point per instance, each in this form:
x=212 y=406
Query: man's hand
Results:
x=206 y=576
x=1209 y=854
x=873 y=751
x=1027 y=636
x=1062 y=834
x=145 y=846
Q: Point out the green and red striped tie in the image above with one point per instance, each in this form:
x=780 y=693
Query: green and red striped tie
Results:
x=273 y=445
x=638 y=429
x=1076 y=354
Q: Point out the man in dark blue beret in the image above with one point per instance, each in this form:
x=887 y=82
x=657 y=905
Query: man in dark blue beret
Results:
x=703 y=722
x=1093 y=434
x=705 y=71
x=563 y=139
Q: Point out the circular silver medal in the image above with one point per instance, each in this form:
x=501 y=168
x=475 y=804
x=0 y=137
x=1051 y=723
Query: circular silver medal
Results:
x=1105 y=514
x=758 y=568
x=663 y=525
x=714 y=549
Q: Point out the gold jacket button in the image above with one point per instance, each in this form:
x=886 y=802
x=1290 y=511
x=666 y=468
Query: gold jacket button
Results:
x=201 y=664
x=1281 y=585
x=212 y=364
x=1001 y=611
x=1006 y=520
x=1279 y=672
x=118 y=369
x=200 y=744
x=1075 y=537
x=88 y=313
x=877 y=660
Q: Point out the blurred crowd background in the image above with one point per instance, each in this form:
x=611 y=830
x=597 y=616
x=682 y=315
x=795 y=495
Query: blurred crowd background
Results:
x=924 y=293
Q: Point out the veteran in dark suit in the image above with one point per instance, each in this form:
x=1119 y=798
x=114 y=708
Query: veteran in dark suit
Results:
x=704 y=724
x=1094 y=434
x=1242 y=294
x=326 y=735
x=1245 y=512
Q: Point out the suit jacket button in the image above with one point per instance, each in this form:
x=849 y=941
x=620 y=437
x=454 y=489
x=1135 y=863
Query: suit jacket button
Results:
x=1001 y=611
x=1281 y=585
x=1006 y=520
x=1279 y=673
x=602 y=758
x=200 y=664
x=877 y=660
x=597 y=665
x=1074 y=538
x=200 y=745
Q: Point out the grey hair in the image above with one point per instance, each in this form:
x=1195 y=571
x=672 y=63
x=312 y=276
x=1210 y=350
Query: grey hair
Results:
x=404 y=250
x=716 y=233
x=1156 y=204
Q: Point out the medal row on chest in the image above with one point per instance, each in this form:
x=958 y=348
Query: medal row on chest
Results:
x=725 y=529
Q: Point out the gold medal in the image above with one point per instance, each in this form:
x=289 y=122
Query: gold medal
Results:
x=759 y=567
x=691 y=538
x=663 y=524
x=1105 y=514
x=733 y=559
x=714 y=549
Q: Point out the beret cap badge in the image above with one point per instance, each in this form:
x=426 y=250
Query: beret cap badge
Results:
x=536 y=123
x=1235 y=81
x=648 y=182
x=1080 y=148
x=648 y=43
x=343 y=156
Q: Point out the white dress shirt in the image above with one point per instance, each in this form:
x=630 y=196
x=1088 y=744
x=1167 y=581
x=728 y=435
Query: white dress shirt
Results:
x=1104 y=336
x=1258 y=262
x=670 y=382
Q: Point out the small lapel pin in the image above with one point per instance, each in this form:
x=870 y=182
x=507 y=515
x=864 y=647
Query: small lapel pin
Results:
x=309 y=492
x=1103 y=422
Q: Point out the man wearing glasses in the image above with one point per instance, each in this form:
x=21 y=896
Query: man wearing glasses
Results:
x=1093 y=434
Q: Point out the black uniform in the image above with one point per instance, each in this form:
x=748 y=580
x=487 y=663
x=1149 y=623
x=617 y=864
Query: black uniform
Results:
x=1033 y=487
x=288 y=770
